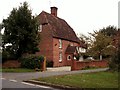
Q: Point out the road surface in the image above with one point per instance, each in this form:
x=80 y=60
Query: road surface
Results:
x=14 y=84
x=34 y=75
x=16 y=80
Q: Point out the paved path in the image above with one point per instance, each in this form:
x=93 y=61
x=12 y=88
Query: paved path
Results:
x=65 y=68
x=33 y=75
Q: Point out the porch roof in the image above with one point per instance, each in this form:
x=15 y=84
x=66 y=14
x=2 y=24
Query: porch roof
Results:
x=70 y=49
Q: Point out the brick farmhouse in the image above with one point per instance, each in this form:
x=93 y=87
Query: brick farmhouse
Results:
x=58 y=40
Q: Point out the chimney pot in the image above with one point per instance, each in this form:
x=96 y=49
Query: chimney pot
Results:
x=54 y=11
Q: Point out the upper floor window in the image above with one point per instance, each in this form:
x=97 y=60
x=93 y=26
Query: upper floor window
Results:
x=40 y=28
x=60 y=43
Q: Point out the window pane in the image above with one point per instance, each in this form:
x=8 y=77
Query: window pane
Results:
x=60 y=43
x=40 y=28
x=68 y=57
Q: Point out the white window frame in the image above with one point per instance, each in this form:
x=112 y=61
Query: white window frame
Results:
x=60 y=43
x=40 y=28
x=82 y=50
x=68 y=57
x=60 y=57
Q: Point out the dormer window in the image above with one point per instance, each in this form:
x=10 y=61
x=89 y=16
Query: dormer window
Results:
x=40 y=28
x=60 y=43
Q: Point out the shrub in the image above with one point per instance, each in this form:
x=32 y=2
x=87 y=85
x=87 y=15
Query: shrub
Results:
x=31 y=62
x=40 y=58
x=49 y=63
x=114 y=63
x=7 y=56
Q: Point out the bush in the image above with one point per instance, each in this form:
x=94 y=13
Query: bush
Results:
x=32 y=62
x=114 y=63
x=49 y=63
x=7 y=56
x=40 y=58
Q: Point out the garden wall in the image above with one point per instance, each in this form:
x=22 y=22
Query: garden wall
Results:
x=78 y=65
x=11 y=64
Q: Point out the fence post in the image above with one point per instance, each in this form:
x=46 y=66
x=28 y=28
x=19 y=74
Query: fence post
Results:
x=44 y=64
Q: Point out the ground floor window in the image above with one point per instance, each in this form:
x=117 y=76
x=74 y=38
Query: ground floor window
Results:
x=69 y=57
x=60 y=57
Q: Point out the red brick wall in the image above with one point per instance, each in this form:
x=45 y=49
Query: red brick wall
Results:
x=11 y=64
x=46 y=46
x=68 y=62
x=56 y=51
x=78 y=65
x=49 y=47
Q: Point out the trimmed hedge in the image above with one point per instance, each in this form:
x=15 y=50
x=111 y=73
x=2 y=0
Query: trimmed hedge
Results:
x=31 y=62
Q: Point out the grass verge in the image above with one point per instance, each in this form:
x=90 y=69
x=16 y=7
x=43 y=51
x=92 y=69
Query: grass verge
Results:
x=88 y=80
x=18 y=70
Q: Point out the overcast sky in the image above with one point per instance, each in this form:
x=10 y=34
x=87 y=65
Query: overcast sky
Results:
x=82 y=15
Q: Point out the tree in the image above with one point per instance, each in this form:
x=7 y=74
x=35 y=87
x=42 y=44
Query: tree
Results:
x=21 y=31
x=86 y=41
x=109 y=31
x=114 y=63
x=103 y=42
x=0 y=27
x=101 y=45
x=0 y=39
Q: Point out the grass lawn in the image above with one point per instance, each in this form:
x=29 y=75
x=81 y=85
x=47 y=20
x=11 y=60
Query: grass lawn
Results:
x=88 y=80
x=17 y=70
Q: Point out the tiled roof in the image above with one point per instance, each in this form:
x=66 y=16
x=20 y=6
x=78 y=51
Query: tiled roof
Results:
x=58 y=26
x=70 y=49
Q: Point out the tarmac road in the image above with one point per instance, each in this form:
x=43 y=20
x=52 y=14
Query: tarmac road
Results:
x=14 y=84
x=16 y=80
x=33 y=75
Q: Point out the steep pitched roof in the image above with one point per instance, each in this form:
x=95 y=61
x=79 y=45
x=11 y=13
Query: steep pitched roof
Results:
x=58 y=26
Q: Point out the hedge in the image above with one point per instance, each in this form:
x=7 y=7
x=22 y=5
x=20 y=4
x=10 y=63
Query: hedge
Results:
x=31 y=62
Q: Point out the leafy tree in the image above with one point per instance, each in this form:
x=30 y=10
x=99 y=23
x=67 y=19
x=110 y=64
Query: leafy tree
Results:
x=86 y=41
x=0 y=40
x=21 y=31
x=0 y=27
x=101 y=45
x=109 y=31
x=114 y=63
x=103 y=42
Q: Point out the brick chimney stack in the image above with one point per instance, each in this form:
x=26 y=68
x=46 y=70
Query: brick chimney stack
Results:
x=54 y=11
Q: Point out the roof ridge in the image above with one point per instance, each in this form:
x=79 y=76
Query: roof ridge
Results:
x=59 y=27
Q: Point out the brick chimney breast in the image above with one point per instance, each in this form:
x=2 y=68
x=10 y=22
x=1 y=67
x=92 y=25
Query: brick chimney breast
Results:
x=54 y=11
